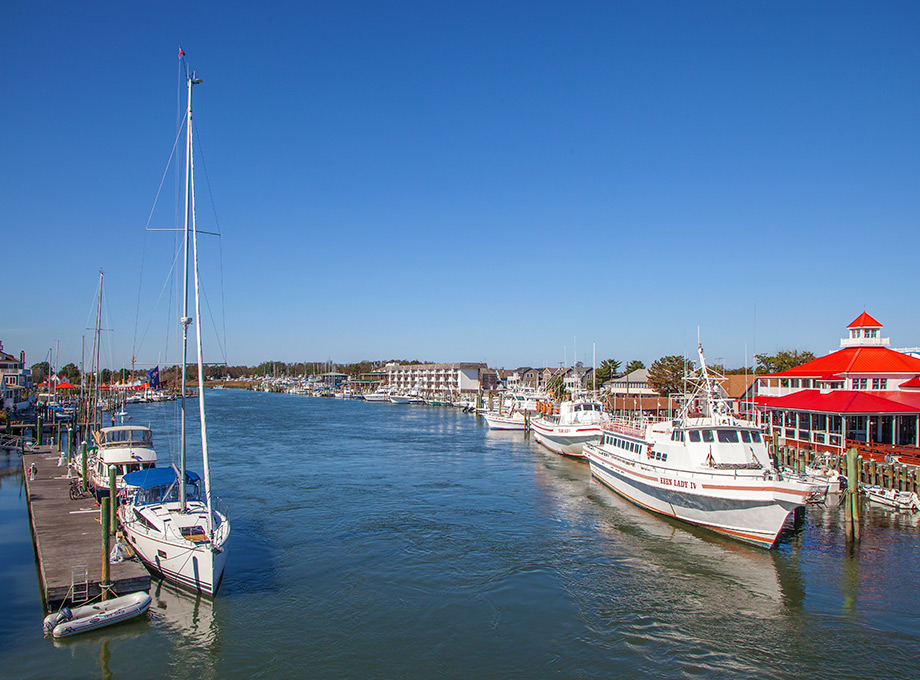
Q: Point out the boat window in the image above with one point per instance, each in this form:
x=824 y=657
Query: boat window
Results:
x=745 y=436
x=755 y=436
x=728 y=436
x=694 y=435
x=664 y=456
x=707 y=436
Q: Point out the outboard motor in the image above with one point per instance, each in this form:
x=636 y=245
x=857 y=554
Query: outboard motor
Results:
x=62 y=616
x=842 y=482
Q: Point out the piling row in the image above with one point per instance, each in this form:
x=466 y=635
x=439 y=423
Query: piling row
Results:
x=892 y=475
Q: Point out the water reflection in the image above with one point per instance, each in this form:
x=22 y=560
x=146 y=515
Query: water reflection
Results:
x=189 y=615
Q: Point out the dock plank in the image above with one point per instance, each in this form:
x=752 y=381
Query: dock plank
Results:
x=66 y=533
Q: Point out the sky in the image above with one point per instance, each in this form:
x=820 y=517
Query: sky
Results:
x=519 y=183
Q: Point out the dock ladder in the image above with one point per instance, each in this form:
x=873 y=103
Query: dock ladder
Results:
x=79 y=583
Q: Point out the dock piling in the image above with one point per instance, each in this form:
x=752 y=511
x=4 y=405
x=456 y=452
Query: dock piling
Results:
x=105 y=583
x=113 y=501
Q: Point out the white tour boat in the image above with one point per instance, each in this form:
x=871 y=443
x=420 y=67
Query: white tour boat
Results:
x=705 y=467
x=578 y=423
x=171 y=527
x=127 y=448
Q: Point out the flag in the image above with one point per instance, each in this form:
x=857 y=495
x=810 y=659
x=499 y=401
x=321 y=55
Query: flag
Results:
x=153 y=376
x=181 y=53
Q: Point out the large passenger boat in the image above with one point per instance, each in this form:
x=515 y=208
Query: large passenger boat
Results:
x=577 y=423
x=705 y=467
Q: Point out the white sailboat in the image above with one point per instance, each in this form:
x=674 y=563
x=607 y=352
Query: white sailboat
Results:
x=171 y=527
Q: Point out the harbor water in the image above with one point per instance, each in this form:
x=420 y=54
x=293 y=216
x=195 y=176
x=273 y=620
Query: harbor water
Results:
x=386 y=541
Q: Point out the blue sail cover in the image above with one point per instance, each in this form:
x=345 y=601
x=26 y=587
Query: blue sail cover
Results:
x=157 y=476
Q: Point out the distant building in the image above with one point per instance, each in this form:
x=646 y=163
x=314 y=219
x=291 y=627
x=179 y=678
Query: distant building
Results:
x=15 y=380
x=738 y=390
x=863 y=392
x=635 y=383
x=457 y=377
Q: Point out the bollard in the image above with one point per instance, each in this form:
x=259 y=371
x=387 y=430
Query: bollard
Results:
x=113 y=503
x=83 y=476
x=105 y=585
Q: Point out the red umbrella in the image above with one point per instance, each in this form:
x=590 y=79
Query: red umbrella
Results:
x=65 y=386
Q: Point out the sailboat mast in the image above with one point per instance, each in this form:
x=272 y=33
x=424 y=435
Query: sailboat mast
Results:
x=185 y=320
x=201 y=415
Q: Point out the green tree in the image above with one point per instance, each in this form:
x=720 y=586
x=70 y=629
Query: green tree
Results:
x=40 y=372
x=634 y=365
x=666 y=374
x=70 y=373
x=607 y=370
x=782 y=360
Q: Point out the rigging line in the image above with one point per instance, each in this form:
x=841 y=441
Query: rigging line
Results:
x=169 y=277
x=163 y=178
x=220 y=247
x=207 y=304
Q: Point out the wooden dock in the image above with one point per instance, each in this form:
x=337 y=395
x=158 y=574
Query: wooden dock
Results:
x=66 y=534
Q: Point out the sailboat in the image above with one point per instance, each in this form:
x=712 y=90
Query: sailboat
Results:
x=173 y=527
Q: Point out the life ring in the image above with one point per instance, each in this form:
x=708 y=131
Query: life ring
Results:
x=649 y=451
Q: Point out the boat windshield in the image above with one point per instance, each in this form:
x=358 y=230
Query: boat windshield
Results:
x=165 y=494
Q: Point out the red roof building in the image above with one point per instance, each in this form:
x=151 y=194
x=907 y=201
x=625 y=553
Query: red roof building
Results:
x=863 y=392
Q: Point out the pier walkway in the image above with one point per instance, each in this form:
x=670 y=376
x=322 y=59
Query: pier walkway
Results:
x=66 y=535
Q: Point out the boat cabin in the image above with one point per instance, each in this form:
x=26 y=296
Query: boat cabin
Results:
x=160 y=485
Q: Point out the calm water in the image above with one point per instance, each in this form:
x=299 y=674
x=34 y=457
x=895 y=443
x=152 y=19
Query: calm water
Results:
x=384 y=541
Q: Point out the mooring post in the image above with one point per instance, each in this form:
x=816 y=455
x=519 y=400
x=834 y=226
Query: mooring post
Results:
x=83 y=465
x=39 y=427
x=104 y=585
x=113 y=503
x=851 y=504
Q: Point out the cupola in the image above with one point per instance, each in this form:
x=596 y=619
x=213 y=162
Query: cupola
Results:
x=864 y=331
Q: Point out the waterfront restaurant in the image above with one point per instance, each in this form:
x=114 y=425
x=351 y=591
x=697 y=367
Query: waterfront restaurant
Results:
x=863 y=394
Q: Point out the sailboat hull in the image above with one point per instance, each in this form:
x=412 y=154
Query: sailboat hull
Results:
x=195 y=563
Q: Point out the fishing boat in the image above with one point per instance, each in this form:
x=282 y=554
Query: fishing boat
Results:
x=174 y=528
x=704 y=467
x=576 y=424
x=507 y=420
x=94 y=616
x=127 y=448
x=892 y=498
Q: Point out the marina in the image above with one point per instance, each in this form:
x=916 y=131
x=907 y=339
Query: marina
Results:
x=415 y=299
x=400 y=539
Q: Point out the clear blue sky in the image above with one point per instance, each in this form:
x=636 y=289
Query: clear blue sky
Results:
x=468 y=181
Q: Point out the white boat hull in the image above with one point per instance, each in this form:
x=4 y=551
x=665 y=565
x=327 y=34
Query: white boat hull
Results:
x=748 y=509
x=566 y=440
x=196 y=566
x=505 y=422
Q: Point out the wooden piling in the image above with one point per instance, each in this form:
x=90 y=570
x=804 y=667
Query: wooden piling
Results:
x=113 y=503
x=851 y=500
x=83 y=480
x=105 y=584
